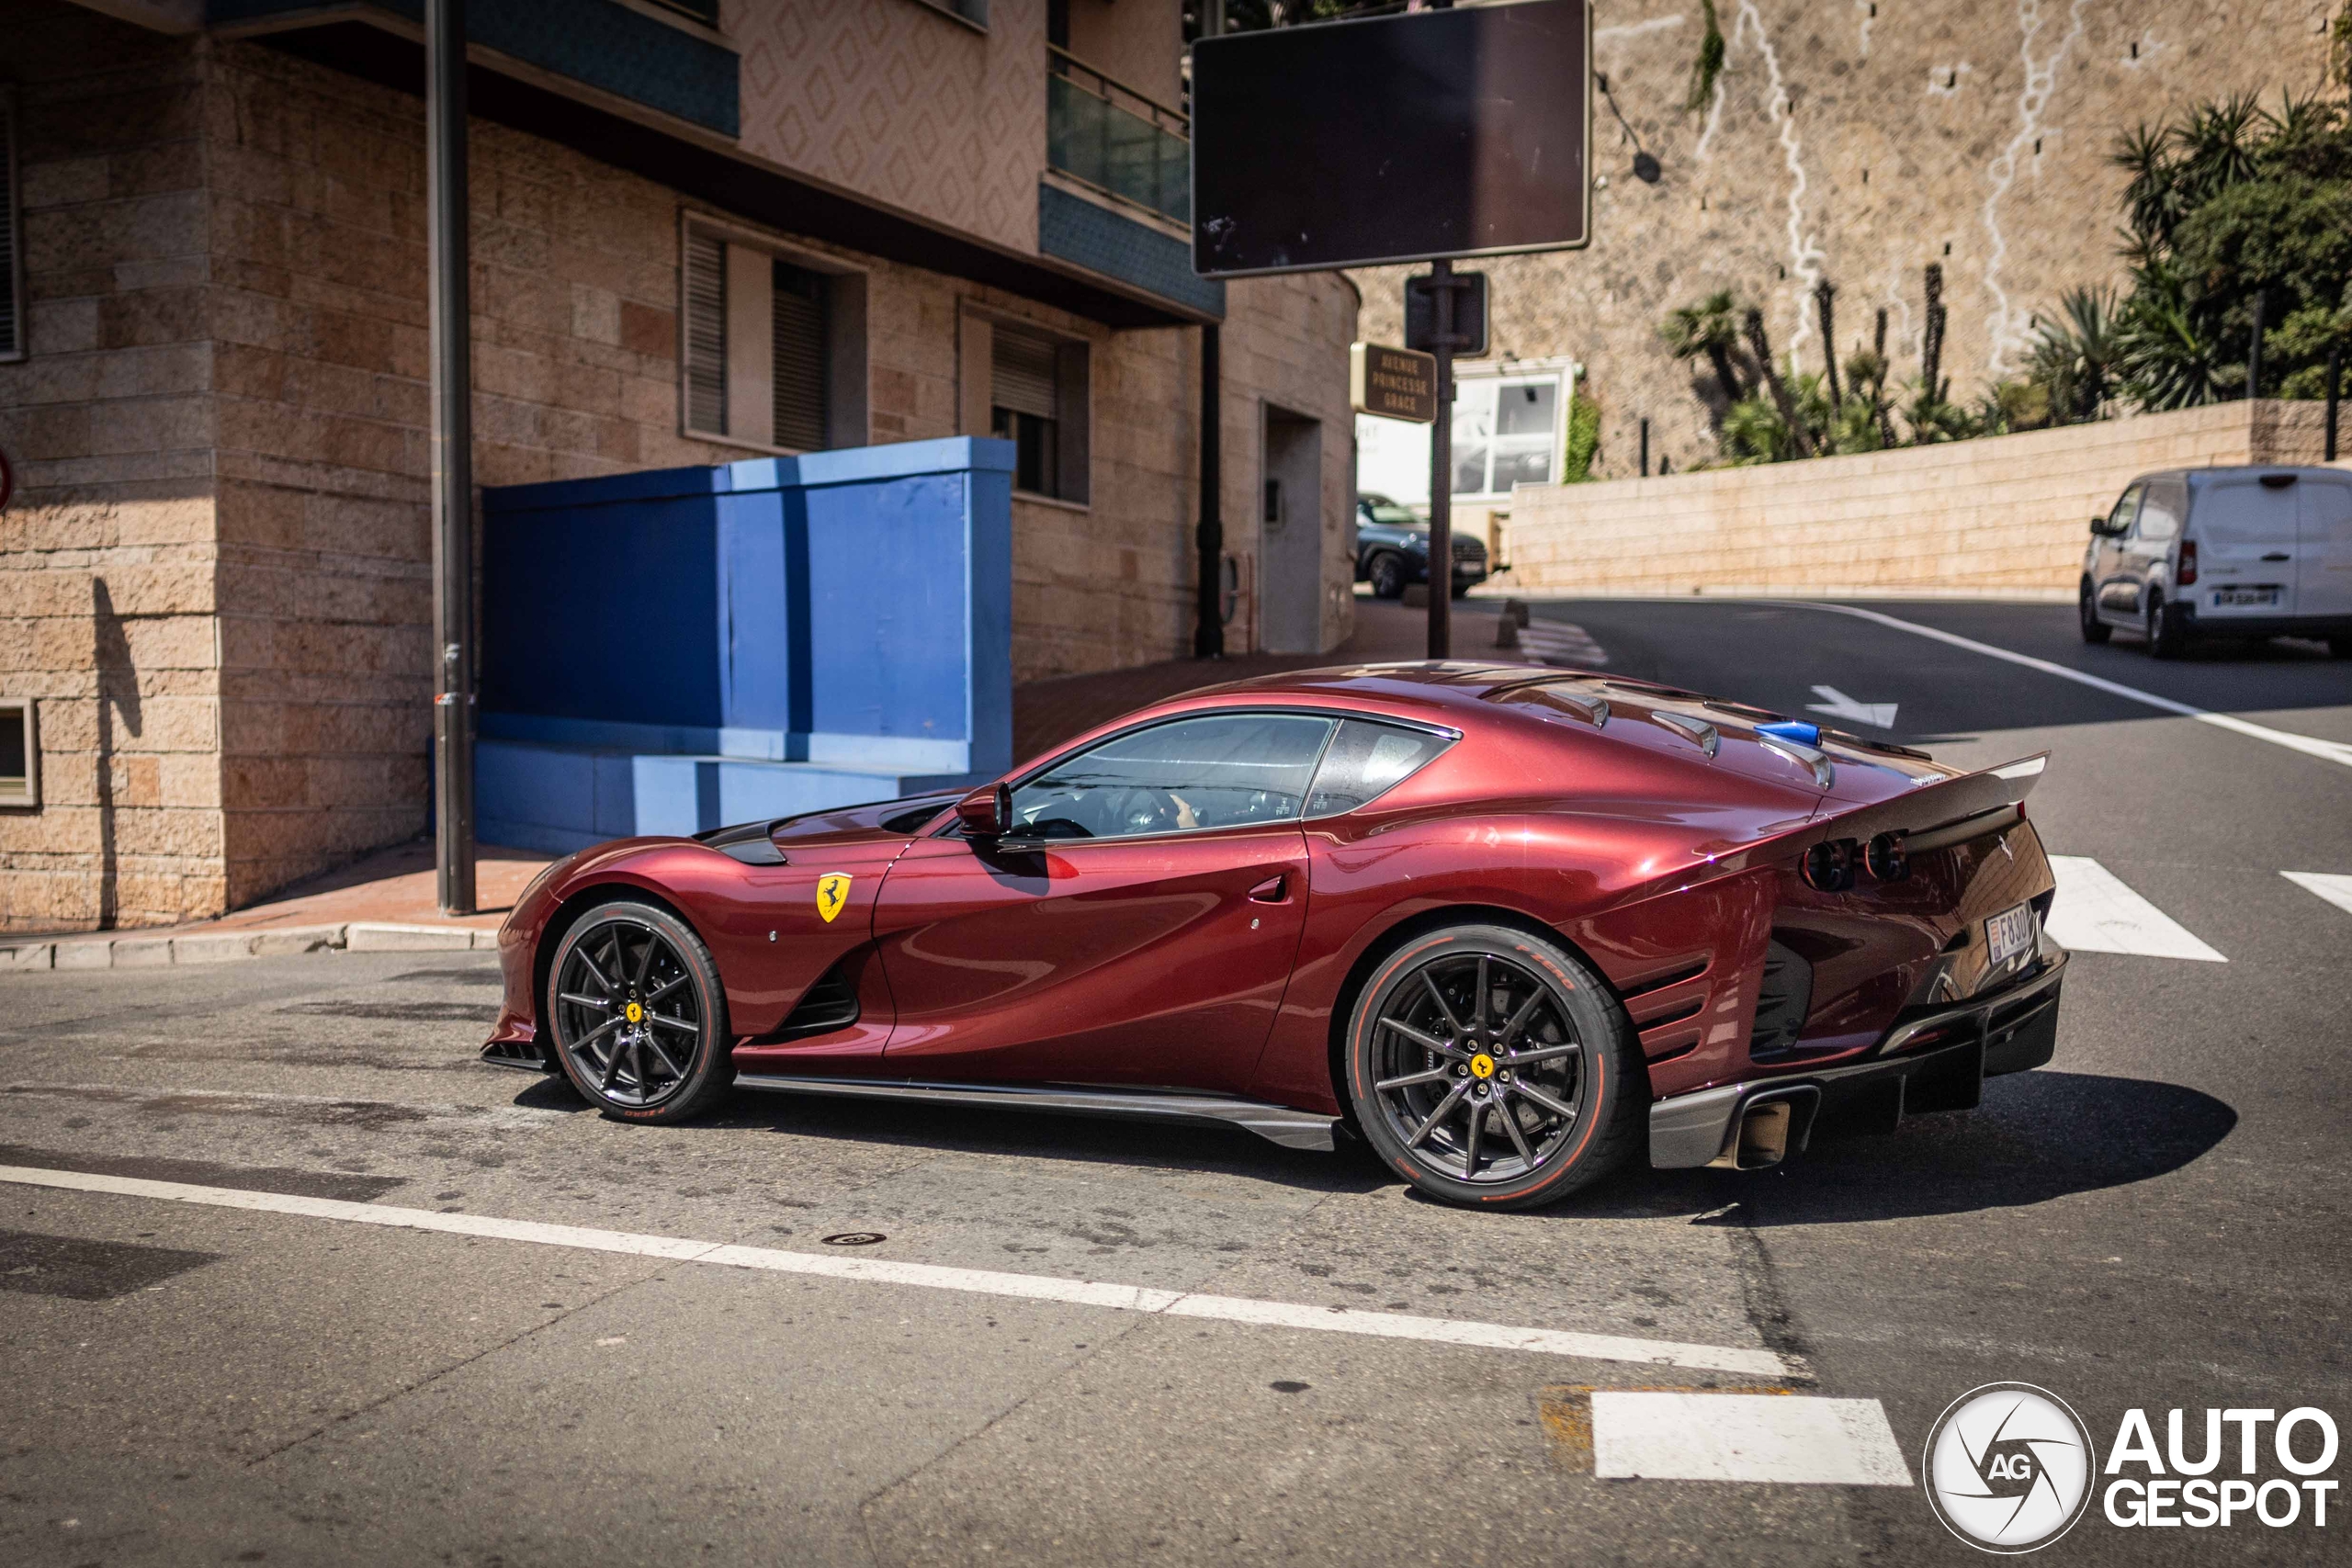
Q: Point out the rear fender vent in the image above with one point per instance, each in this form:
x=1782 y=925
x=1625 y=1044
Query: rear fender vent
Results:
x=1782 y=1000
x=829 y=1004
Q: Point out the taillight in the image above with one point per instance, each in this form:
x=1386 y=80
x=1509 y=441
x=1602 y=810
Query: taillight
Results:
x=2186 y=573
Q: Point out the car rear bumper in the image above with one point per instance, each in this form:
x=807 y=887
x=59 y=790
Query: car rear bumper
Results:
x=1938 y=1061
x=2227 y=623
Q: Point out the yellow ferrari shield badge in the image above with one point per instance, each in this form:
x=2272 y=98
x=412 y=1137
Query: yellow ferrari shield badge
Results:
x=833 y=892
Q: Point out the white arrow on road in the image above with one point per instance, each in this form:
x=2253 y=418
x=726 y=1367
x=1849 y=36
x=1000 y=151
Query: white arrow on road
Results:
x=1838 y=704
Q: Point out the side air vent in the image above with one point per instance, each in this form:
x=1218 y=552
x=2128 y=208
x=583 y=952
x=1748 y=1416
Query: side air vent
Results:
x=829 y=1004
x=1782 y=1002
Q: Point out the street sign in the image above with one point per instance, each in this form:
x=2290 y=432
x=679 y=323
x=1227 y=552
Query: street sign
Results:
x=1393 y=383
x=1437 y=133
x=1469 y=314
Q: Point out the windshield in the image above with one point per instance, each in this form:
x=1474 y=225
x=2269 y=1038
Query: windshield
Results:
x=1380 y=509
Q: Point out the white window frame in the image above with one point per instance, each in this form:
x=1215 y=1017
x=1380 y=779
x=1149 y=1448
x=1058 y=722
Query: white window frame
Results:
x=30 y=798
x=1561 y=373
x=750 y=343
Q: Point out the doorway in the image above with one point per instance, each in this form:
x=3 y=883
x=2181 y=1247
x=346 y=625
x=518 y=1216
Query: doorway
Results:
x=1290 y=534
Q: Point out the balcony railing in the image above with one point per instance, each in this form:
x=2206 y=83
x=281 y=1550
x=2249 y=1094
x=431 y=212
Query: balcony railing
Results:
x=1105 y=134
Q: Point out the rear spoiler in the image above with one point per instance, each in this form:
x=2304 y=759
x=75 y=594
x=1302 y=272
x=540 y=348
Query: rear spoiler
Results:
x=1949 y=812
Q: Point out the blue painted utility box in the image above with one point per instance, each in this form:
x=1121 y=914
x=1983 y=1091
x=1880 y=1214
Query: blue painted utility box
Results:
x=668 y=651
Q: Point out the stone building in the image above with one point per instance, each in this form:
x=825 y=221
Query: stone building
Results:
x=702 y=229
x=1855 y=141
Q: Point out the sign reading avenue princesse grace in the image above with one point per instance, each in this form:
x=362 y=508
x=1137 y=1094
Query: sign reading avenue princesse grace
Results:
x=1395 y=383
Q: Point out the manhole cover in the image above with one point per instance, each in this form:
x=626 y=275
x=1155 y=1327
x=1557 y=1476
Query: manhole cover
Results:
x=855 y=1239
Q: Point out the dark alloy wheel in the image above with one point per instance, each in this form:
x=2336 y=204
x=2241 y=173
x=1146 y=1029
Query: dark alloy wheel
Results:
x=1490 y=1068
x=1387 y=575
x=638 y=1018
x=2086 y=616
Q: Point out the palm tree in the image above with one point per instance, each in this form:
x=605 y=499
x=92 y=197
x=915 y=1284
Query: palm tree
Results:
x=2077 y=357
x=1711 y=327
x=2165 y=359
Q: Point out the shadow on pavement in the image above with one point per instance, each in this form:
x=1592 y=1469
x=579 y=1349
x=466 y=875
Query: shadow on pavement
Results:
x=2038 y=1135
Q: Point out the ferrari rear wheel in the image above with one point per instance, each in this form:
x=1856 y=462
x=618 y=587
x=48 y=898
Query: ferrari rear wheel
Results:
x=638 y=1018
x=1491 y=1069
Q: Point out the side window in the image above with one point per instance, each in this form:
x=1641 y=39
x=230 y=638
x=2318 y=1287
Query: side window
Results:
x=2160 y=513
x=1364 y=760
x=2118 y=521
x=1225 y=771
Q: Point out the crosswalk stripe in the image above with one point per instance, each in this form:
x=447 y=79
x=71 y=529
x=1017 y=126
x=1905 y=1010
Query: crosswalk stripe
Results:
x=1789 y=1439
x=1561 y=642
x=2097 y=912
x=2336 y=888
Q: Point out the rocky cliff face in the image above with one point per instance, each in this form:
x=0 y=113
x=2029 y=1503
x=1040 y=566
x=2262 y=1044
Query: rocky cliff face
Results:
x=1859 y=141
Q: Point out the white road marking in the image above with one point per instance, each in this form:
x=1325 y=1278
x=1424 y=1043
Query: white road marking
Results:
x=931 y=1276
x=2097 y=912
x=1745 y=1437
x=2336 y=888
x=2332 y=751
x=1838 y=704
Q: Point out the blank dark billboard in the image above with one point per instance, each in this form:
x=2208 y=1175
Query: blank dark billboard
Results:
x=1437 y=133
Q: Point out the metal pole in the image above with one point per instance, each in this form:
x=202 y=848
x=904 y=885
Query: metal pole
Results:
x=1208 y=635
x=2334 y=383
x=450 y=328
x=1441 y=466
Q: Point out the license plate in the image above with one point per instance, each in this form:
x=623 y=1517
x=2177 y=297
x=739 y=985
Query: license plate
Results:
x=2009 y=934
x=2224 y=598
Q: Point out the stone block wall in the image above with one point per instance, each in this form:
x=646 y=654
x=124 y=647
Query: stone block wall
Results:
x=2005 y=515
x=107 y=582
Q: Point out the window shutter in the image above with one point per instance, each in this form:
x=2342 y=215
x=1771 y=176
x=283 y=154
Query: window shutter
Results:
x=12 y=315
x=799 y=365
x=1024 y=380
x=705 y=332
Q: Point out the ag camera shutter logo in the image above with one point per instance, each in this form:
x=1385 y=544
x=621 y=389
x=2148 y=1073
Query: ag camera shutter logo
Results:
x=2008 y=1468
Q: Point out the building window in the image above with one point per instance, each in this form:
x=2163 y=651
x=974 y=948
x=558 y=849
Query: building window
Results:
x=775 y=350
x=12 y=248
x=19 y=753
x=1507 y=431
x=1037 y=401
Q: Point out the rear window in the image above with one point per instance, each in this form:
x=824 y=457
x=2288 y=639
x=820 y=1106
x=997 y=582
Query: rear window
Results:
x=2244 y=512
x=1366 y=760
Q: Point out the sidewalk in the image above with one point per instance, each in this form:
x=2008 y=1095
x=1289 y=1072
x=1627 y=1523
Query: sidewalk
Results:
x=385 y=903
x=382 y=904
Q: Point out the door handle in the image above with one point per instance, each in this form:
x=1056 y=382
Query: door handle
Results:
x=2278 y=555
x=1273 y=890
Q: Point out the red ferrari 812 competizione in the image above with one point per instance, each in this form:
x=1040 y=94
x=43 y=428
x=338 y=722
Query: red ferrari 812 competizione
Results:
x=1512 y=927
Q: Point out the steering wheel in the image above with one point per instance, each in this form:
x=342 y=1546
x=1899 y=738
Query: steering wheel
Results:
x=1140 y=808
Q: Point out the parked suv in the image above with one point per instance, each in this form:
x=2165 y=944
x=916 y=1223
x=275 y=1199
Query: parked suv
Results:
x=2250 y=552
x=1393 y=550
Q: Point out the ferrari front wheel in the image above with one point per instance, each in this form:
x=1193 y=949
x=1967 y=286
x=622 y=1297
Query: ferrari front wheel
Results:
x=638 y=1015
x=1490 y=1068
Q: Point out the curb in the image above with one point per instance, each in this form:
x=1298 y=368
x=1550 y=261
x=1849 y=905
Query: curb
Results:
x=224 y=947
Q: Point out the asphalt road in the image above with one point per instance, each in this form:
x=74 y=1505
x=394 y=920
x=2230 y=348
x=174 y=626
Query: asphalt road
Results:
x=2157 y=1220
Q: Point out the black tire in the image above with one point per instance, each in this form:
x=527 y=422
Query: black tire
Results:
x=2339 y=648
x=2086 y=616
x=1388 y=577
x=674 y=1059
x=1579 y=1096
x=1462 y=589
x=2167 y=630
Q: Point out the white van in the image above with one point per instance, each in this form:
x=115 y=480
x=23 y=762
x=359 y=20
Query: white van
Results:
x=2223 y=552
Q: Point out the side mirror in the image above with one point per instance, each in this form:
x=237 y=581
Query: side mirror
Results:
x=987 y=812
x=2099 y=527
